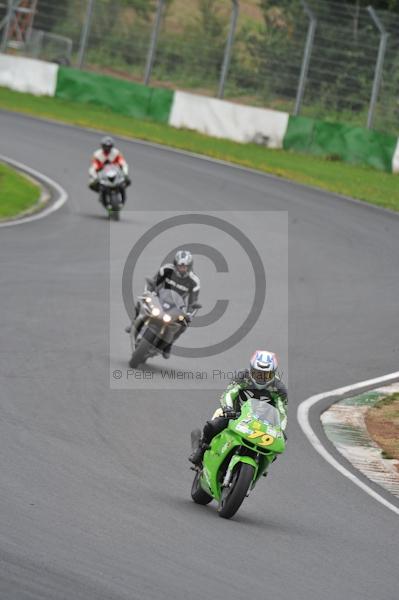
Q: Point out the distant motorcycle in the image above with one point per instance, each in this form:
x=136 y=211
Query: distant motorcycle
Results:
x=160 y=317
x=112 y=190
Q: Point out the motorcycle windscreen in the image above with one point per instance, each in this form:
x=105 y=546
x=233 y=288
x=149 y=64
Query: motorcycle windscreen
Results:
x=265 y=412
x=171 y=299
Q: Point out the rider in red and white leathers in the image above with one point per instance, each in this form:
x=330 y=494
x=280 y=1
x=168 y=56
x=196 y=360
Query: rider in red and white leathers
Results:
x=106 y=155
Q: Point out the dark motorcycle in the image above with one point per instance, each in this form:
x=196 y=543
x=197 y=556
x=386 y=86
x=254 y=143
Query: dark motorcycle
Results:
x=159 y=318
x=112 y=190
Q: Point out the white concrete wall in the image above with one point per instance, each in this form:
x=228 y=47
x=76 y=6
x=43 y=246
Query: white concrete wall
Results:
x=227 y=120
x=28 y=75
x=395 y=159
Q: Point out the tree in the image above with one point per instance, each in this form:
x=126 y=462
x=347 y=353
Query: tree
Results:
x=197 y=52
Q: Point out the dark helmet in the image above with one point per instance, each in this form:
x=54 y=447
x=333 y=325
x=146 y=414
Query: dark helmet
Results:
x=107 y=143
x=183 y=262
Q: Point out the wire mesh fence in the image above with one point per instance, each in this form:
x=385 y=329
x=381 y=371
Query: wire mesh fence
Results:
x=317 y=58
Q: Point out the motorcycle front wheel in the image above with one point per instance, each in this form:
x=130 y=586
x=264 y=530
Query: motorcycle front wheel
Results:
x=115 y=206
x=114 y=214
x=233 y=496
x=141 y=353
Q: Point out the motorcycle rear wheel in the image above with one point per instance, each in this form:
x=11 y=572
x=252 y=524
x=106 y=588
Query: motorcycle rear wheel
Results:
x=197 y=493
x=141 y=353
x=233 y=496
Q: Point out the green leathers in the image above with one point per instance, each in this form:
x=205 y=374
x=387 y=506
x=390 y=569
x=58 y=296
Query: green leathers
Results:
x=238 y=456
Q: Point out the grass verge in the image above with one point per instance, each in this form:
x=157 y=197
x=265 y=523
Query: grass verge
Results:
x=362 y=183
x=17 y=193
x=382 y=421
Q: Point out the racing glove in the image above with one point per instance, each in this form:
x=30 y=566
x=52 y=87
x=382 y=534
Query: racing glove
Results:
x=229 y=413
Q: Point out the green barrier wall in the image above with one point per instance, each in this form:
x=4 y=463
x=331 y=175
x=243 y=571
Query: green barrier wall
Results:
x=352 y=144
x=124 y=97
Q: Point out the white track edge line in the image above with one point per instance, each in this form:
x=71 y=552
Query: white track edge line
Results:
x=62 y=194
x=303 y=419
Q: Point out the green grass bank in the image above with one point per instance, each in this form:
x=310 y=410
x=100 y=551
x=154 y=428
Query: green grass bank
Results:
x=363 y=183
x=17 y=193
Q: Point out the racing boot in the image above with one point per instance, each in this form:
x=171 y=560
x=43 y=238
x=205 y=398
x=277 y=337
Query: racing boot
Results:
x=198 y=454
x=94 y=185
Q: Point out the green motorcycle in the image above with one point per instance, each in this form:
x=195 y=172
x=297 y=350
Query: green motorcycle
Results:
x=238 y=457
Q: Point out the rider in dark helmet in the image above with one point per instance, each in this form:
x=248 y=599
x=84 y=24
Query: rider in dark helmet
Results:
x=260 y=381
x=107 y=143
x=106 y=155
x=179 y=277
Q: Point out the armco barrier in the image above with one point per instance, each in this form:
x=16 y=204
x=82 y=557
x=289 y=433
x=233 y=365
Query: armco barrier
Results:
x=351 y=144
x=124 y=97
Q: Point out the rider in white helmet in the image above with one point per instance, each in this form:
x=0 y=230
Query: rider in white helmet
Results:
x=260 y=381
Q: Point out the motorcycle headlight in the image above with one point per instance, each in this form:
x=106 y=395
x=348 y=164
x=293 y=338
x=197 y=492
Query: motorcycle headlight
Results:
x=148 y=299
x=155 y=312
x=167 y=318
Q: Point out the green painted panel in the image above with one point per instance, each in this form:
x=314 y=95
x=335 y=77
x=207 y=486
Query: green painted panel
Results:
x=339 y=141
x=124 y=97
x=299 y=134
x=160 y=104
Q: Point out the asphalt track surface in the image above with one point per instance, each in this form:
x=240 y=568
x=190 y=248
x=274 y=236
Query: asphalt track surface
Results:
x=89 y=510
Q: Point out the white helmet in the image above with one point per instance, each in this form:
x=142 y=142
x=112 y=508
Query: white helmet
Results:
x=263 y=367
x=183 y=262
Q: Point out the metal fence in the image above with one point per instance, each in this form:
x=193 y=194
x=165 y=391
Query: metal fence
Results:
x=316 y=58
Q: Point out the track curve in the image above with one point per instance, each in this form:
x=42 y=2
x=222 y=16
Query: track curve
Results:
x=86 y=513
x=56 y=195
